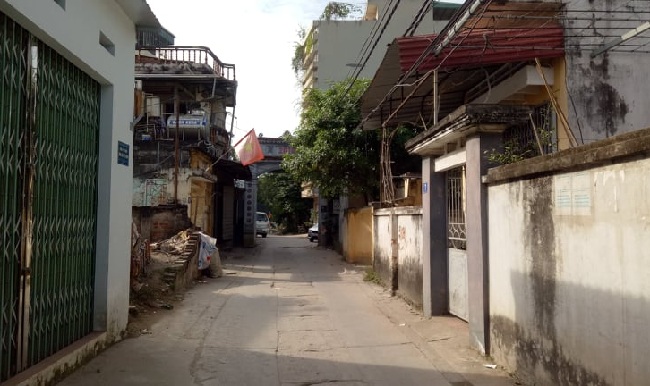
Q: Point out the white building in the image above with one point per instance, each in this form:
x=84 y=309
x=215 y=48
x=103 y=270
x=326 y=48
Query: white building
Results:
x=333 y=47
x=66 y=109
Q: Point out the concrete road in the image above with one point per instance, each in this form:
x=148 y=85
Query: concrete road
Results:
x=291 y=313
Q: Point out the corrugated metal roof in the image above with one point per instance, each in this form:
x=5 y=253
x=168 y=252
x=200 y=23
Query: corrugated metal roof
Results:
x=484 y=46
x=500 y=38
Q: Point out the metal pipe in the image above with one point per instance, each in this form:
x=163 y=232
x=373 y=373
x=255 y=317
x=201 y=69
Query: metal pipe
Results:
x=436 y=101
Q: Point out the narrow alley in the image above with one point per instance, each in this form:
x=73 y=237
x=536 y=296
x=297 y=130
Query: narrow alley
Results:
x=291 y=313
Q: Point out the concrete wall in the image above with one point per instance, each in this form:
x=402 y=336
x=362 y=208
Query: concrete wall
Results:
x=74 y=33
x=608 y=93
x=569 y=289
x=408 y=249
x=340 y=42
x=381 y=244
x=358 y=244
x=409 y=255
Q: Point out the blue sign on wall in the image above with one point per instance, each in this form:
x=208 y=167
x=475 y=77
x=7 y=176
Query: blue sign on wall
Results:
x=122 y=153
x=425 y=187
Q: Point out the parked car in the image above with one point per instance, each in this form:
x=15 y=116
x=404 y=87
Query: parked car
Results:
x=262 y=224
x=312 y=233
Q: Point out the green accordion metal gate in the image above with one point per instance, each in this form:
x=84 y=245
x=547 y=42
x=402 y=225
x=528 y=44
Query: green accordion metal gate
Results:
x=49 y=128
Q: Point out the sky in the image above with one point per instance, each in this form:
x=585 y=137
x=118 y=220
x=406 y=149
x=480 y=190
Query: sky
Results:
x=258 y=36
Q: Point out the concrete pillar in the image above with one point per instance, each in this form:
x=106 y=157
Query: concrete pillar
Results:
x=477 y=239
x=435 y=278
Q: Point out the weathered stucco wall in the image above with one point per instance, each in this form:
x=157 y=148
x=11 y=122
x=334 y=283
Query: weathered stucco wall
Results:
x=409 y=255
x=358 y=245
x=569 y=288
x=607 y=93
x=381 y=244
x=408 y=250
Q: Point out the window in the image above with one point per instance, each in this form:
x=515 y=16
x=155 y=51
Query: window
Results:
x=106 y=43
x=456 y=208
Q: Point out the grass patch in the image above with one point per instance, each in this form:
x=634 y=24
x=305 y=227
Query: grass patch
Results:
x=371 y=276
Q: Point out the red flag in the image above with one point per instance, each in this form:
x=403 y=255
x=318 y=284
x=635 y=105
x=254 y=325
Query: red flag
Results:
x=248 y=149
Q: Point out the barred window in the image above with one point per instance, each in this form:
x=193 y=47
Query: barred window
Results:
x=456 y=208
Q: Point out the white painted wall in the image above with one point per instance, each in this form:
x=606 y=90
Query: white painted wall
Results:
x=74 y=33
x=340 y=41
x=381 y=243
x=458 y=283
x=408 y=236
x=409 y=253
x=569 y=275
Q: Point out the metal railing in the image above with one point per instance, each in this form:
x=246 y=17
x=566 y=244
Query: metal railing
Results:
x=456 y=232
x=536 y=137
x=196 y=58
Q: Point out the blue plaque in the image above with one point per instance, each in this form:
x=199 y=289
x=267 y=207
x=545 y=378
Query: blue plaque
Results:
x=122 y=153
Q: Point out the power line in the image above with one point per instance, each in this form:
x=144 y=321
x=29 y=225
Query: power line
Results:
x=427 y=5
x=363 y=65
x=366 y=43
x=436 y=45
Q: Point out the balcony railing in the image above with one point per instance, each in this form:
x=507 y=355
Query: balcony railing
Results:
x=183 y=60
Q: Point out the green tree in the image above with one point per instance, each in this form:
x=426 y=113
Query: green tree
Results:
x=302 y=48
x=330 y=151
x=280 y=193
x=337 y=11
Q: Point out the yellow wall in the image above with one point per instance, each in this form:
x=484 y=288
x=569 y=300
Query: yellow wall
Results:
x=358 y=249
x=201 y=208
x=199 y=160
x=561 y=96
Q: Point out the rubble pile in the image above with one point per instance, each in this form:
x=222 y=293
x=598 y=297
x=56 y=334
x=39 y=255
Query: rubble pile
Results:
x=174 y=245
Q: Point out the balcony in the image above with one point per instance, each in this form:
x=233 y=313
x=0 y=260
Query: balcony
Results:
x=181 y=61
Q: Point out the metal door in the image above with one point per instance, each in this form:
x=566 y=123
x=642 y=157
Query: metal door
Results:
x=49 y=115
x=13 y=78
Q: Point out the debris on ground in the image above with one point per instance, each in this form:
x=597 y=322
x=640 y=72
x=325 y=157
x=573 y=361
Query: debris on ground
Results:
x=174 y=245
x=150 y=291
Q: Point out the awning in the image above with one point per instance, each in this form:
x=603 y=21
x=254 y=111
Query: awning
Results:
x=235 y=170
x=495 y=44
x=481 y=47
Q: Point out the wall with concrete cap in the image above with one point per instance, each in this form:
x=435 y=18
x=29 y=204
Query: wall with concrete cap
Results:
x=568 y=250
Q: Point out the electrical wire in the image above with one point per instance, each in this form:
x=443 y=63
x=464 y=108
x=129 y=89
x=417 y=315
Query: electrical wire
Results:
x=369 y=38
x=426 y=7
x=568 y=16
x=363 y=64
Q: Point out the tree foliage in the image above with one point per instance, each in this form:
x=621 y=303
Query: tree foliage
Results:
x=298 y=59
x=333 y=11
x=281 y=195
x=330 y=151
x=336 y=11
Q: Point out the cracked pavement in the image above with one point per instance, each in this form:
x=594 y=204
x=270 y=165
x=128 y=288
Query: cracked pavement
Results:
x=291 y=313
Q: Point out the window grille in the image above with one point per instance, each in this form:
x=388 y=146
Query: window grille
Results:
x=456 y=208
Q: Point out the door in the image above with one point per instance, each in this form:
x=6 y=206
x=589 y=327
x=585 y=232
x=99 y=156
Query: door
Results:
x=49 y=121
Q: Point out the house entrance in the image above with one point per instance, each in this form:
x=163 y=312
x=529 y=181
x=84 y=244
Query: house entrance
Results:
x=49 y=129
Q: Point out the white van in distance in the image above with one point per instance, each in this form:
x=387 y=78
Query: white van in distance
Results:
x=262 y=224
